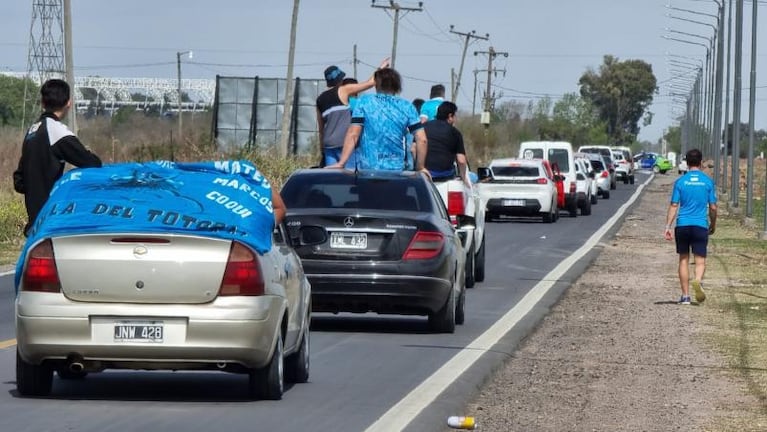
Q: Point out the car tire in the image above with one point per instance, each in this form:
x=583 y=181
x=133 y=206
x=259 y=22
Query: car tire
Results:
x=460 y=309
x=547 y=217
x=614 y=185
x=33 y=380
x=66 y=374
x=469 y=276
x=631 y=179
x=625 y=180
x=586 y=209
x=605 y=194
x=663 y=171
x=297 y=365
x=594 y=199
x=573 y=209
x=479 y=262
x=443 y=321
x=656 y=169
x=268 y=382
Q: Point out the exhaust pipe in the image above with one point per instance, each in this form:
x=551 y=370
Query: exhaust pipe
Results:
x=76 y=367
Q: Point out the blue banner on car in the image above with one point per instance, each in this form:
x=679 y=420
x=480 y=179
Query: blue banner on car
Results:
x=221 y=199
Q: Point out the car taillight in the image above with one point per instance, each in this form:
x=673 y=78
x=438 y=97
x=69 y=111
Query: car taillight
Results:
x=242 y=276
x=424 y=245
x=41 y=274
x=572 y=187
x=542 y=181
x=605 y=173
x=455 y=205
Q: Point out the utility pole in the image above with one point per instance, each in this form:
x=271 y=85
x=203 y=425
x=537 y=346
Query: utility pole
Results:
x=397 y=8
x=179 y=94
x=751 y=116
x=738 y=85
x=355 y=61
x=467 y=39
x=69 y=63
x=288 y=107
x=491 y=55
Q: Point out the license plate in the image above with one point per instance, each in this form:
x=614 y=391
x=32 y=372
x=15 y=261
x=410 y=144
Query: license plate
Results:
x=344 y=240
x=513 y=203
x=151 y=332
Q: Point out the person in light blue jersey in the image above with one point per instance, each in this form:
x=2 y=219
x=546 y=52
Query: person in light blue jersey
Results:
x=693 y=205
x=380 y=123
x=429 y=108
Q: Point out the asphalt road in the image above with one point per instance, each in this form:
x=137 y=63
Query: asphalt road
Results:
x=362 y=365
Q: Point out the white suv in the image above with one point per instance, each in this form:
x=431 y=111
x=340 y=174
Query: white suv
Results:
x=583 y=186
x=519 y=187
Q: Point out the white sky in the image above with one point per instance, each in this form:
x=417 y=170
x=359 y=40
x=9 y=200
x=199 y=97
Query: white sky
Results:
x=550 y=42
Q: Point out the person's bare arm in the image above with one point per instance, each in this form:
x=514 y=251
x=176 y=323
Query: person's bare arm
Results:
x=278 y=205
x=460 y=159
x=420 y=149
x=712 y=218
x=349 y=89
x=350 y=142
x=670 y=216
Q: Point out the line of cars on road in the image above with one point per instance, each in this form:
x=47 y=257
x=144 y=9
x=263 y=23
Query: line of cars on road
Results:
x=548 y=177
x=196 y=295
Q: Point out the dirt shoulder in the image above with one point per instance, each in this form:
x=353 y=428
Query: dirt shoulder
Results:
x=618 y=353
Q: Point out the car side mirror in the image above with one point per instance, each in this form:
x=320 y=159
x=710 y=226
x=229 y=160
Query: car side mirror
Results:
x=312 y=236
x=484 y=173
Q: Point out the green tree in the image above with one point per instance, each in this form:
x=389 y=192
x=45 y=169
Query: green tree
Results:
x=12 y=101
x=622 y=92
x=673 y=137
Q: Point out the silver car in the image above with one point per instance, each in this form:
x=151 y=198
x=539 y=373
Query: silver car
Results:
x=91 y=302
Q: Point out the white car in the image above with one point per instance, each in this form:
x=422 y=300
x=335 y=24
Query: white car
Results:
x=601 y=174
x=683 y=166
x=583 y=186
x=623 y=168
x=519 y=187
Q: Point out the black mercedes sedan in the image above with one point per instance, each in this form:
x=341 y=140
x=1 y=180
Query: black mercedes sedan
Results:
x=376 y=241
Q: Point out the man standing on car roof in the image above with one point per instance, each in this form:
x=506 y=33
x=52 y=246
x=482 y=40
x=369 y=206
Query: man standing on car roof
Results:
x=445 y=144
x=47 y=146
x=693 y=204
x=380 y=123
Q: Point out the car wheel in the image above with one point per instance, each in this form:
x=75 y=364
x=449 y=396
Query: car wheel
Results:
x=586 y=209
x=297 y=365
x=33 y=380
x=66 y=374
x=268 y=382
x=663 y=171
x=547 y=217
x=614 y=185
x=625 y=180
x=469 y=276
x=573 y=209
x=460 y=312
x=655 y=169
x=631 y=179
x=605 y=194
x=443 y=321
x=479 y=262
x=593 y=199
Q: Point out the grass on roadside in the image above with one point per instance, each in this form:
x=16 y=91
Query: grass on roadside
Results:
x=735 y=311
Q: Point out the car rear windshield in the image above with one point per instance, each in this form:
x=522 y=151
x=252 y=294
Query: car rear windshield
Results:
x=561 y=158
x=516 y=171
x=364 y=191
x=597 y=150
x=597 y=165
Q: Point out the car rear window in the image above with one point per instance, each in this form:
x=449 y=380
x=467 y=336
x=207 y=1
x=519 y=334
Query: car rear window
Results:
x=516 y=171
x=364 y=191
x=597 y=165
x=561 y=158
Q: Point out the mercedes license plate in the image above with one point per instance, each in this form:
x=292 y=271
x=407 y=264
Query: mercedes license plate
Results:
x=128 y=331
x=513 y=203
x=347 y=240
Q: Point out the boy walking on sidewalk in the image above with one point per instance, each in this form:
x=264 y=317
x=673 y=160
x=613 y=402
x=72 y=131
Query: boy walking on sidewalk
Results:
x=693 y=204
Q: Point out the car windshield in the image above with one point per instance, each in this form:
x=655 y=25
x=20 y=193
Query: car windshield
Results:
x=364 y=191
x=597 y=165
x=515 y=171
x=560 y=157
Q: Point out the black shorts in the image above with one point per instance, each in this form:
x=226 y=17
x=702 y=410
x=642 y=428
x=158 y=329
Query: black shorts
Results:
x=691 y=237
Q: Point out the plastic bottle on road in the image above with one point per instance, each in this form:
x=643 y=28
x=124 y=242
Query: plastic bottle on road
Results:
x=466 y=423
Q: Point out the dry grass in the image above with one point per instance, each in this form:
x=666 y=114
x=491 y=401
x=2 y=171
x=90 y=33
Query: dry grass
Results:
x=128 y=137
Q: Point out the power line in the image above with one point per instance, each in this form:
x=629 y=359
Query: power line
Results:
x=397 y=8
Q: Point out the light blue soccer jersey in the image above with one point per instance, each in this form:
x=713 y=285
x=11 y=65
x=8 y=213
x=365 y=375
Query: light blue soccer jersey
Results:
x=694 y=191
x=429 y=108
x=385 y=120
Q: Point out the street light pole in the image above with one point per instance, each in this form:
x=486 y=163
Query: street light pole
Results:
x=738 y=85
x=751 y=115
x=178 y=95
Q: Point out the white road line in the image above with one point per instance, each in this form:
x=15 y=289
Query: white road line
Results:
x=7 y=273
x=407 y=409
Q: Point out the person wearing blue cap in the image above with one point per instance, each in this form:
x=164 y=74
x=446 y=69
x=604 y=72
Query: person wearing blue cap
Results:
x=333 y=113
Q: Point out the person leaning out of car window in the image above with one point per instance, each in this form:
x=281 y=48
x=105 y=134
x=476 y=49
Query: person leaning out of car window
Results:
x=48 y=145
